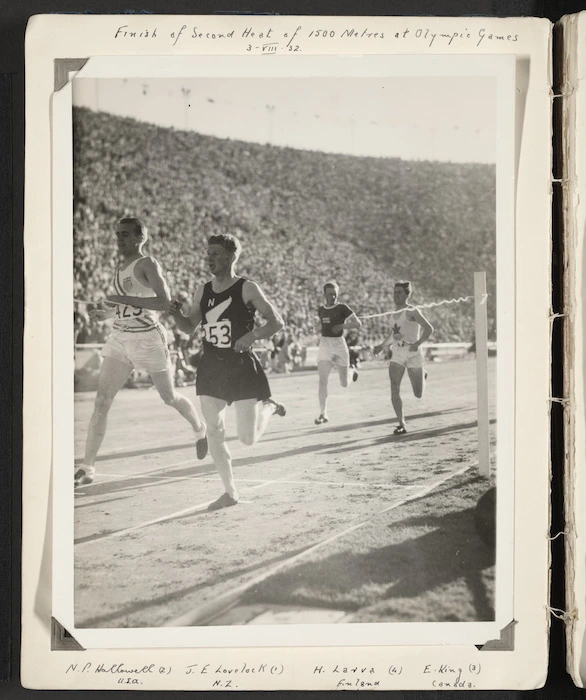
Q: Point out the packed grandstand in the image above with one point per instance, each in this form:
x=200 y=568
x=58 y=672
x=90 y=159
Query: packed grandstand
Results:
x=303 y=217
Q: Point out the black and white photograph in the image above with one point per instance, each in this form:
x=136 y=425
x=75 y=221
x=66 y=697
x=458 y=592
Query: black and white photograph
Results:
x=287 y=346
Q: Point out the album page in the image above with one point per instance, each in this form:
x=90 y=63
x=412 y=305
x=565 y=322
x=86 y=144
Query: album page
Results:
x=287 y=357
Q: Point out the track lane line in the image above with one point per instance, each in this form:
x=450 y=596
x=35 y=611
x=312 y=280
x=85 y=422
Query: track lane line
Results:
x=161 y=519
x=207 y=612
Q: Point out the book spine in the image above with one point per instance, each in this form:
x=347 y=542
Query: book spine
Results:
x=564 y=284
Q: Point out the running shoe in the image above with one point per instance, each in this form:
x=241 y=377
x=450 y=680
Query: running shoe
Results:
x=278 y=408
x=83 y=475
x=225 y=501
x=321 y=419
x=354 y=375
x=401 y=430
x=201 y=443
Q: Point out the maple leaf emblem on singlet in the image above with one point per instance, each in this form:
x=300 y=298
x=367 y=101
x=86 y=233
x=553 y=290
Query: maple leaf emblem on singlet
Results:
x=397 y=332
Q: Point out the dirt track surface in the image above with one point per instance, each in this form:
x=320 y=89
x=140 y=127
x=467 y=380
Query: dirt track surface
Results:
x=344 y=517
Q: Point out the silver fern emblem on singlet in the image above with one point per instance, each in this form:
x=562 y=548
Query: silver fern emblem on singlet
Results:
x=214 y=314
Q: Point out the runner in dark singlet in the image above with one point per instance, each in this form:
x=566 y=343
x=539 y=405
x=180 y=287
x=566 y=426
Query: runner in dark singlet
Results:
x=229 y=371
x=333 y=352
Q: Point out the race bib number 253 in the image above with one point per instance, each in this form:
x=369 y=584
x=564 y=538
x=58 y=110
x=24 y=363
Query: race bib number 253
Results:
x=218 y=334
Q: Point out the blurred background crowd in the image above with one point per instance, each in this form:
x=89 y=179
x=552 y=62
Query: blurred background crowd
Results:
x=303 y=218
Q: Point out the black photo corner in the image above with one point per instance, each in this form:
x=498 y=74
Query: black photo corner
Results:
x=13 y=20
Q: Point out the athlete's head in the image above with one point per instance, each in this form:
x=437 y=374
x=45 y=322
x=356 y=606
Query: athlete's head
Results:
x=223 y=252
x=131 y=234
x=331 y=291
x=401 y=292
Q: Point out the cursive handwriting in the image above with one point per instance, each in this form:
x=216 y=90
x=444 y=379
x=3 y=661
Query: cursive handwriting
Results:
x=298 y=37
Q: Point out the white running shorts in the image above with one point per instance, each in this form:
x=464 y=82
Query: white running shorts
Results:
x=145 y=350
x=403 y=356
x=334 y=351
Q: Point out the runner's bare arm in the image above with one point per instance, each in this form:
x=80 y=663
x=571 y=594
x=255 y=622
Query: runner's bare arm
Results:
x=378 y=348
x=253 y=294
x=153 y=278
x=419 y=318
x=188 y=323
x=100 y=313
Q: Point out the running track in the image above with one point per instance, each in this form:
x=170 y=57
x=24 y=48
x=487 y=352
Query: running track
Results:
x=146 y=550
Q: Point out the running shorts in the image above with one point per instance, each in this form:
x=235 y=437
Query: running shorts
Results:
x=334 y=351
x=409 y=359
x=142 y=350
x=232 y=376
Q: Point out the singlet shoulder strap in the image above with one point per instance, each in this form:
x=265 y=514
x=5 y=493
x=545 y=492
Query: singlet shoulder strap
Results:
x=129 y=269
x=235 y=288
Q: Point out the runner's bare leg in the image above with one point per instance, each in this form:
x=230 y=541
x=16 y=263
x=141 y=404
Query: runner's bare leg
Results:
x=214 y=411
x=113 y=376
x=163 y=382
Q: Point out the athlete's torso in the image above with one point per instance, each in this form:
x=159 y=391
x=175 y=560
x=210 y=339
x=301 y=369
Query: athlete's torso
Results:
x=131 y=318
x=331 y=316
x=405 y=332
x=225 y=317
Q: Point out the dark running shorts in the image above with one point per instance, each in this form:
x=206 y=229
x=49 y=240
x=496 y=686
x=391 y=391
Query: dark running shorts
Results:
x=232 y=377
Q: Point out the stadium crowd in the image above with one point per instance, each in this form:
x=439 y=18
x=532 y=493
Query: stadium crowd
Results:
x=303 y=217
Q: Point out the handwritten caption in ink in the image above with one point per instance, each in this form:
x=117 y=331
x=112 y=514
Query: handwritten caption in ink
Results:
x=448 y=676
x=433 y=676
x=244 y=675
x=213 y=675
x=273 y=41
x=124 y=674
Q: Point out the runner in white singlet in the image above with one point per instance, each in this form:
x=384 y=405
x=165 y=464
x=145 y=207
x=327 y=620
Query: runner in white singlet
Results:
x=137 y=341
x=409 y=331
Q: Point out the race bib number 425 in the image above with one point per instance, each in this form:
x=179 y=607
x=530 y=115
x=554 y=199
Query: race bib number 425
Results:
x=127 y=311
x=218 y=334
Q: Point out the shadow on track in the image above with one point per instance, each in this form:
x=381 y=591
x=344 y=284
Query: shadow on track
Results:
x=352 y=581
x=329 y=428
x=101 y=503
x=416 y=435
x=269 y=438
x=131 y=483
x=122 y=613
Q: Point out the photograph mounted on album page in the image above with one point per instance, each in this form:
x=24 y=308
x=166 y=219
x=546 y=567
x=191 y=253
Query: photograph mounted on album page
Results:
x=287 y=374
